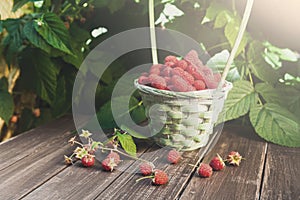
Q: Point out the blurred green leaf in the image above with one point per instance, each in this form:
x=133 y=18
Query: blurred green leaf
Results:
x=6 y=106
x=222 y=19
x=38 y=74
x=257 y=64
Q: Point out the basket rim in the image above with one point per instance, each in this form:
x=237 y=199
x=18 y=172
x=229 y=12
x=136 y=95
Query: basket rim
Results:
x=199 y=93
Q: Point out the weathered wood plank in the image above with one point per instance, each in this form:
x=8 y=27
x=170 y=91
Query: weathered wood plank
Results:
x=281 y=174
x=34 y=169
x=82 y=183
x=125 y=187
x=29 y=142
x=241 y=182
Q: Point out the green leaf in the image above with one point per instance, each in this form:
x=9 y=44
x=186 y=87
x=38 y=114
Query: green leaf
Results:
x=257 y=64
x=38 y=74
x=276 y=124
x=222 y=19
x=33 y=36
x=53 y=30
x=218 y=62
x=212 y=11
x=231 y=32
x=270 y=94
x=6 y=106
x=272 y=59
x=239 y=100
x=3 y=84
x=127 y=143
x=1 y=26
x=284 y=54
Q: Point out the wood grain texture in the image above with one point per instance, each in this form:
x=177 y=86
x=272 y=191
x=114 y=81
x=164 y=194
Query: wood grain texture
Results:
x=23 y=145
x=127 y=188
x=282 y=175
x=241 y=182
x=78 y=182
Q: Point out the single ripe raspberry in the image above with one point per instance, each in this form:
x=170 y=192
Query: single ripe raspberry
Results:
x=157 y=82
x=115 y=156
x=195 y=72
x=234 y=158
x=210 y=82
x=88 y=160
x=160 y=177
x=172 y=59
x=204 y=170
x=192 y=57
x=217 y=163
x=183 y=74
x=167 y=79
x=174 y=156
x=182 y=64
x=108 y=164
x=143 y=80
x=166 y=71
x=181 y=85
x=199 y=85
x=146 y=168
x=155 y=69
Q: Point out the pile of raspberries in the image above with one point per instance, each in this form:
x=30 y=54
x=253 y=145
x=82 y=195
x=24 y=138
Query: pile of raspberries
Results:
x=185 y=75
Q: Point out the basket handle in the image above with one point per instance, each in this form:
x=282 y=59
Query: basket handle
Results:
x=237 y=42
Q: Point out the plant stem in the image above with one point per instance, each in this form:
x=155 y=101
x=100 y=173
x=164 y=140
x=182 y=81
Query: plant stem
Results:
x=216 y=46
x=124 y=154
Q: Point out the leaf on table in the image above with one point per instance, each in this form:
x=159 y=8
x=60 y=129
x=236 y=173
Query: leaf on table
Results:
x=6 y=106
x=276 y=124
x=239 y=100
x=127 y=143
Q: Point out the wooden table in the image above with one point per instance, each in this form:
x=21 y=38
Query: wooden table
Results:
x=32 y=167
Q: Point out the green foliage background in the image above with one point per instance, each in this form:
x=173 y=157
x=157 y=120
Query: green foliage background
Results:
x=49 y=43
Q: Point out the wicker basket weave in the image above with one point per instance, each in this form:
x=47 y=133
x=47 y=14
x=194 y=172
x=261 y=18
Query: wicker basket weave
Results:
x=182 y=120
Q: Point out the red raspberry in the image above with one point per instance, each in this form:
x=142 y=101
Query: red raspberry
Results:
x=171 y=87
x=217 y=163
x=166 y=71
x=204 y=170
x=157 y=82
x=174 y=156
x=114 y=156
x=234 y=158
x=143 y=80
x=155 y=69
x=192 y=57
x=146 y=168
x=211 y=83
x=195 y=72
x=183 y=74
x=145 y=74
x=182 y=64
x=88 y=160
x=172 y=59
x=199 y=85
x=170 y=64
x=160 y=177
x=108 y=164
x=180 y=84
